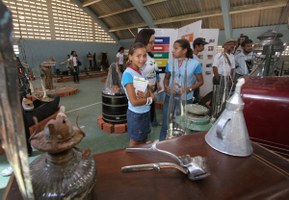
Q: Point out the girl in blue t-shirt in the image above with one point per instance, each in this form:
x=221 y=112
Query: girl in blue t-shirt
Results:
x=183 y=75
x=138 y=119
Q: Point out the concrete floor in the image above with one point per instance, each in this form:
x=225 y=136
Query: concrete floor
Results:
x=87 y=104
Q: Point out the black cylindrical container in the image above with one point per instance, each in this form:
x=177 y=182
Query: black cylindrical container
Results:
x=114 y=108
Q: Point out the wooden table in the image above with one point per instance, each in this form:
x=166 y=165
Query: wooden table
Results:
x=263 y=175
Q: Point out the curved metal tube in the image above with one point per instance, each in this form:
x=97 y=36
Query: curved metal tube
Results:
x=153 y=166
x=154 y=148
x=195 y=167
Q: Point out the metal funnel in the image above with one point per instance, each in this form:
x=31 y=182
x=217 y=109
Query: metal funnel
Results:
x=229 y=133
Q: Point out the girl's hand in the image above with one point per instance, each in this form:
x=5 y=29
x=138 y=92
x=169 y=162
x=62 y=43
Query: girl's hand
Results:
x=151 y=94
x=159 y=87
x=153 y=97
x=141 y=95
x=169 y=90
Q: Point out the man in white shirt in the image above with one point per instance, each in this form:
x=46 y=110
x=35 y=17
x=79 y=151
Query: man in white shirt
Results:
x=244 y=59
x=223 y=69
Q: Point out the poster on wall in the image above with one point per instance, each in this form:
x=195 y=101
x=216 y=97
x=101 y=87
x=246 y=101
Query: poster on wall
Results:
x=206 y=58
x=161 y=51
x=163 y=46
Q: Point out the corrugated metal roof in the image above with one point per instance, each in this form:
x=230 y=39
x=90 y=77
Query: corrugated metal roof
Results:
x=123 y=19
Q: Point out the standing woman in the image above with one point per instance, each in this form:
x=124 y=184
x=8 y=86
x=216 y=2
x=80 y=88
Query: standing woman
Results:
x=119 y=59
x=150 y=69
x=74 y=63
x=138 y=102
x=185 y=68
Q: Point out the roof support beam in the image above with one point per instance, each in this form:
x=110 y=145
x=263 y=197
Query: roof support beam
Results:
x=117 y=12
x=143 y=12
x=215 y=13
x=125 y=10
x=154 y=2
x=259 y=6
x=171 y=19
x=90 y=2
x=98 y=21
x=199 y=15
x=225 y=6
x=126 y=27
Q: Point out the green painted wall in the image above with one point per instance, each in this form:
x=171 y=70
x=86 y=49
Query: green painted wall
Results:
x=35 y=52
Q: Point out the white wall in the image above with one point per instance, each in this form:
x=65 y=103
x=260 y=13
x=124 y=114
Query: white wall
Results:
x=211 y=36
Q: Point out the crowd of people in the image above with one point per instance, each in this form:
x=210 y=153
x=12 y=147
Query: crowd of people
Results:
x=182 y=81
x=228 y=66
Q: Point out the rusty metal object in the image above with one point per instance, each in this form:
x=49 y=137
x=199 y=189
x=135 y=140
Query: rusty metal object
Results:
x=63 y=172
x=46 y=69
x=11 y=119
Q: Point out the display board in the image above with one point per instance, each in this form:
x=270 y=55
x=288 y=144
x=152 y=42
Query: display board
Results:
x=206 y=58
x=190 y=31
x=162 y=49
x=163 y=46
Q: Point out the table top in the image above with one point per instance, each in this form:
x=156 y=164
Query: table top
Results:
x=259 y=176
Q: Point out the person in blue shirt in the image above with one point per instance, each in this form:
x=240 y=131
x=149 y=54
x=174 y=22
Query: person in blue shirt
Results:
x=138 y=118
x=151 y=70
x=183 y=75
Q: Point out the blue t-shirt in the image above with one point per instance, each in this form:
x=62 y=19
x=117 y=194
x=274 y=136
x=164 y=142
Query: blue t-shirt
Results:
x=127 y=78
x=188 y=70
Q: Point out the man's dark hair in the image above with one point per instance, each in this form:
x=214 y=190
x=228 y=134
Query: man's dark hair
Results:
x=246 y=41
x=120 y=49
x=244 y=36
